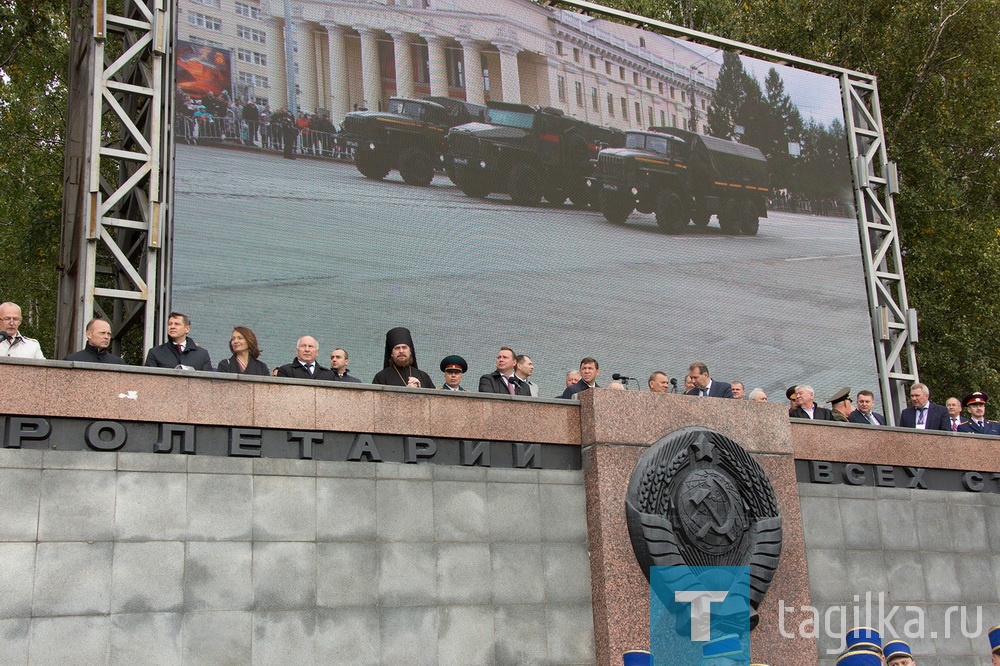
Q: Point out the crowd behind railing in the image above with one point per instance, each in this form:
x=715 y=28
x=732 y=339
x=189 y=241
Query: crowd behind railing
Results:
x=513 y=375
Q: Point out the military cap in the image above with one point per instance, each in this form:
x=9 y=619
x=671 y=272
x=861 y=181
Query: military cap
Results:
x=864 y=638
x=637 y=658
x=895 y=650
x=975 y=398
x=454 y=361
x=995 y=639
x=790 y=392
x=860 y=658
x=840 y=396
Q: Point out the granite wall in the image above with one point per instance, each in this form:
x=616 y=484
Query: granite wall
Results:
x=166 y=559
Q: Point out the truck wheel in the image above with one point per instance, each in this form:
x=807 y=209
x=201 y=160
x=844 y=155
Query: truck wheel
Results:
x=555 y=195
x=371 y=164
x=616 y=207
x=729 y=218
x=749 y=222
x=416 y=167
x=582 y=196
x=473 y=186
x=671 y=215
x=525 y=190
x=700 y=217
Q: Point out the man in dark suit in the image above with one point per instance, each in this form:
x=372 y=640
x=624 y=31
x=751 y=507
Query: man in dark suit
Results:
x=179 y=351
x=978 y=423
x=304 y=365
x=864 y=414
x=589 y=369
x=807 y=407
x=703 y=384
x=502 y=380
x=924 y=414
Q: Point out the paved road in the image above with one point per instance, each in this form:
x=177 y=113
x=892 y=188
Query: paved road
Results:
x=293 y=247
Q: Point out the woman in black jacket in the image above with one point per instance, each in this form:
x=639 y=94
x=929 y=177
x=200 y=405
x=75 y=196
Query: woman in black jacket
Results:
x=246 y=353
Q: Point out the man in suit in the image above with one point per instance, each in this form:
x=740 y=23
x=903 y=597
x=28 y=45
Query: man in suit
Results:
x=703 y=384
x=589 y=369
x=304 y=365
x=864 y=414
x=954 y=408
x=502 y=380
x=978 y=423
x=924 y=414
x=179 y=351
x=807 y=407
x=523 y=368
x=98 y=334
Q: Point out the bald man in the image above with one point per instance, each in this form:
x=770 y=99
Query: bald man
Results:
x=304 y=365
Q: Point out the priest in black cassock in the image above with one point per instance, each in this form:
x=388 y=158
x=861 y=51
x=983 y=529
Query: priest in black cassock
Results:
x=401 y=362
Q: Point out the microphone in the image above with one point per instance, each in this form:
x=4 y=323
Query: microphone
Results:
x=673 y=385
x=3 y=336
x=619 y=377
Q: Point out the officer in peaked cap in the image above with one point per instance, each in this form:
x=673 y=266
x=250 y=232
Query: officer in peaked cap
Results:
x=864 y=638
x=454 y=368
x=995 y=644
x=975 y=403
x=841 y=404
x=897 y=653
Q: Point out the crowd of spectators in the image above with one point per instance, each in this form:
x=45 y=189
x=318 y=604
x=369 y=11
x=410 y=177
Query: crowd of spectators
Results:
x=251 y=123
x=512 y=374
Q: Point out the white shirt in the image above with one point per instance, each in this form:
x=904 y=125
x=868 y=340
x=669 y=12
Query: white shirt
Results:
x=21 y=347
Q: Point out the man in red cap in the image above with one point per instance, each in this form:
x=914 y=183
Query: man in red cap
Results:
x=975 y=403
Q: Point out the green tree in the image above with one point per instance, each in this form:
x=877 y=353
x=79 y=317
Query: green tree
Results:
x=34 y=49
x=781 y=125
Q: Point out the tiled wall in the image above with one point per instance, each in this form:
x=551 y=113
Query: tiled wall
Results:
x=926 y=549
x=170 y=559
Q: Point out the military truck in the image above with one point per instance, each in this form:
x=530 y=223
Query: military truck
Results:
x=408 y=136
x=683 y=177
x=528 y=152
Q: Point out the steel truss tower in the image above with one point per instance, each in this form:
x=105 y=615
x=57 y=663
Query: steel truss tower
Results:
x=117 y=173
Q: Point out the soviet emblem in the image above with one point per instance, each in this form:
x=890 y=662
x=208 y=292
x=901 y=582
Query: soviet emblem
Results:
x=697 y=498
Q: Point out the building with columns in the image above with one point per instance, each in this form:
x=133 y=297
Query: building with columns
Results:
x=351 y=55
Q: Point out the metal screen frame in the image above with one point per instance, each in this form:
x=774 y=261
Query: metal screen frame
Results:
x=126 y=220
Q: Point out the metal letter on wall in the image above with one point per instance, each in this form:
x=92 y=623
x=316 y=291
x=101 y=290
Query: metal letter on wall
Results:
x=114 y=203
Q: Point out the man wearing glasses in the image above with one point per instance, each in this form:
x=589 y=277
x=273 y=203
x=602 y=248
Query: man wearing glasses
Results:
x=12 y=343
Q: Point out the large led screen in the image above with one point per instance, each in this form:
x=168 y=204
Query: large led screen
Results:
x=525 y=177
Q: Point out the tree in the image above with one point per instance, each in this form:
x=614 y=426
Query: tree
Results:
x=34 y=49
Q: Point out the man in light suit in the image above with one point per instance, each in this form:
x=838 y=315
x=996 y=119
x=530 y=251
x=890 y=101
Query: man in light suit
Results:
x=924 y=414
x=703 y=384
x=502 y=380
x=864 y=414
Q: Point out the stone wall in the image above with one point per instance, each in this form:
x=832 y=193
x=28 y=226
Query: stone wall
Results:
x=925 y=550
x=165 y=559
